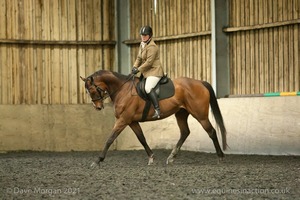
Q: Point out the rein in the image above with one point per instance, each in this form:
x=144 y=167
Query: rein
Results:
x=128 y=79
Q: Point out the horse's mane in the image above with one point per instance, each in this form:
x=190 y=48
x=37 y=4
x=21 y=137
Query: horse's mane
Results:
x=121 y=76
x=106 y=72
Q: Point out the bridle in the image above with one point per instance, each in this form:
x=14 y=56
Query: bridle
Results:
x=103 y=94
x=100 y=92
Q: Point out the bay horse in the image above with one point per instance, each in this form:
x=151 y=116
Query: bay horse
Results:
x=192 y=97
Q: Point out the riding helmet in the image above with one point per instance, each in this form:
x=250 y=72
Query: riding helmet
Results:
x=146 y=30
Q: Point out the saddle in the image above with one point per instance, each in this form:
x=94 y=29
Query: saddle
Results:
x=164 y=89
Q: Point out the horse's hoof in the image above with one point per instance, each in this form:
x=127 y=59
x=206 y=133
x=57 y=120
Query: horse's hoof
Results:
x=151 y=161
x=221 y=159
x=94 y=165
x=170 y=160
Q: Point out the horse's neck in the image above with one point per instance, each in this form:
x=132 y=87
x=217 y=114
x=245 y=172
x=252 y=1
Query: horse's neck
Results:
x=114 y=85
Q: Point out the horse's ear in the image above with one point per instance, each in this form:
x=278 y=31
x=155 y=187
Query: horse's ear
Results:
x=84 y=79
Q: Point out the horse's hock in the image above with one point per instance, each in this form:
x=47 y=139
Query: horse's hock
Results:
x=255 y=126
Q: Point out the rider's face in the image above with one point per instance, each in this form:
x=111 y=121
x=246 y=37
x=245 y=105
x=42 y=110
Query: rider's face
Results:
x=145 y=37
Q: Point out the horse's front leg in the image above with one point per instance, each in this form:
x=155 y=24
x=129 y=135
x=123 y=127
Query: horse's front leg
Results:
x=118 y=128
x=135 y=126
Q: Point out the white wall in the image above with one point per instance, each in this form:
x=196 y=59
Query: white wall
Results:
x=254 y=125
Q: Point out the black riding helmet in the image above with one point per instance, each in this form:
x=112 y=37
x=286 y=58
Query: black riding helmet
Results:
x=146 y=30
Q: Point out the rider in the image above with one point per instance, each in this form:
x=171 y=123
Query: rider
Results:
x=149 y=65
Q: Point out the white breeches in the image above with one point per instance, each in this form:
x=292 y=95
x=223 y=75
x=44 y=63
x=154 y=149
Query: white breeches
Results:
x=151 y=82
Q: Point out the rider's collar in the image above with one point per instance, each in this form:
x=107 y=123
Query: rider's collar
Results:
x=146 y=42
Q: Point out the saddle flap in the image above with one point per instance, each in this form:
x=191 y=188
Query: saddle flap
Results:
x=164 y=89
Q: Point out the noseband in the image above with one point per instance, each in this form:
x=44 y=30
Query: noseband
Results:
x=99 y=90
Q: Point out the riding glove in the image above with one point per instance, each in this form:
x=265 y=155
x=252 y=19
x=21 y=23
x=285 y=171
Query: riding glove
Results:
x=134 y=70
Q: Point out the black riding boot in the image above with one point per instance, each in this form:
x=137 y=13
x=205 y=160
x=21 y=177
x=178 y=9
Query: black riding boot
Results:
x=153 y=97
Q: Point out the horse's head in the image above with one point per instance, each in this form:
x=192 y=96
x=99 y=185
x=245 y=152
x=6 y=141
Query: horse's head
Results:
x=96 y=90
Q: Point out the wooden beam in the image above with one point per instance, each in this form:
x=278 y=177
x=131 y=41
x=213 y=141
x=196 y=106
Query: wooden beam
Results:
x=261 y=26
x=171 y=37
x=57 y=42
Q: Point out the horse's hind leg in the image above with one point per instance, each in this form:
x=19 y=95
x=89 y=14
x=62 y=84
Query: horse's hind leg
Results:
x=181 y=117
x=135 y=126
x=213 y=135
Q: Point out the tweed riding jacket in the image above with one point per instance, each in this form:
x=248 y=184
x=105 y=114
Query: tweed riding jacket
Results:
x=148 y=62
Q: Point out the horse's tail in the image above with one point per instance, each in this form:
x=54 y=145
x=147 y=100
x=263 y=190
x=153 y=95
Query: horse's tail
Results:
x=217 y=113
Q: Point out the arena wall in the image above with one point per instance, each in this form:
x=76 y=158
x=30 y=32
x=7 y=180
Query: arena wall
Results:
x=53 y=127
x=255 y=126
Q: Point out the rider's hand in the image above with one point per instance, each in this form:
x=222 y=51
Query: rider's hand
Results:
x=134 y=70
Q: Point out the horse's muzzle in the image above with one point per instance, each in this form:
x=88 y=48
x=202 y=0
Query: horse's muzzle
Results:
x=98 y=106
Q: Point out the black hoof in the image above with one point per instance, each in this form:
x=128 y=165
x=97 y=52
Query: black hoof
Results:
x=100 y=159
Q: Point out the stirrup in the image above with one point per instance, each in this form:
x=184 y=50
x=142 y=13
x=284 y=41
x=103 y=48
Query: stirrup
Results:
x=156 y=114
